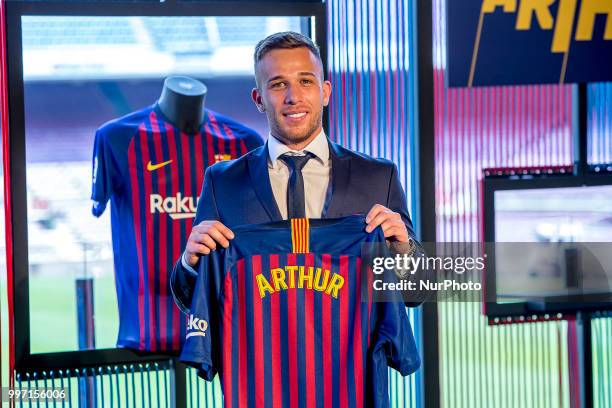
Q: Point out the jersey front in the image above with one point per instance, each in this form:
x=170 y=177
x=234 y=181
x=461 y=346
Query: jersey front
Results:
x=282 y=316
x=152 y=174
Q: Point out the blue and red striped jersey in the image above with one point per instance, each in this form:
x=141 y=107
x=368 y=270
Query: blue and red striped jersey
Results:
x=152 y=174
x=282 y=316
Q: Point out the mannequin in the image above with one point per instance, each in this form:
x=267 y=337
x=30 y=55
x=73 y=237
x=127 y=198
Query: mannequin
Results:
x=182 y=102
x=167 y=171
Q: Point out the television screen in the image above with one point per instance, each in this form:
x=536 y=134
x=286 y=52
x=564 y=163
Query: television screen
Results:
x=552 y=244
x=566 y=214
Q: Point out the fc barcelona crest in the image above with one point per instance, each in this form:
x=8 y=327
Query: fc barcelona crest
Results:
x=222 y=157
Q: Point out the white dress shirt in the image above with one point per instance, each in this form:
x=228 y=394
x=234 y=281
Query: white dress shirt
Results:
x=316 y=174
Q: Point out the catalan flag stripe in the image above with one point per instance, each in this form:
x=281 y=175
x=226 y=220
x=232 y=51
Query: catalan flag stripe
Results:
x=300 y=235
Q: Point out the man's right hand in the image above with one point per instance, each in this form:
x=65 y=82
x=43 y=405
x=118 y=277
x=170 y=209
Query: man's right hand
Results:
x=204 y=238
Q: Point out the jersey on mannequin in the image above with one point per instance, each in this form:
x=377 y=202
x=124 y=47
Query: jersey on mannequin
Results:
x=150 y=165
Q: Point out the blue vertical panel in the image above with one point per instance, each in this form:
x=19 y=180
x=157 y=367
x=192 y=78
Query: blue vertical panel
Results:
x=599 y=134
x=371 y=107
x=599 y=124
x=524 y=365
x=372 y=104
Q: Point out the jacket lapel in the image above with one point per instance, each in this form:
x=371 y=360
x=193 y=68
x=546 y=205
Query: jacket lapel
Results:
x=340 y=170
x=260 y=180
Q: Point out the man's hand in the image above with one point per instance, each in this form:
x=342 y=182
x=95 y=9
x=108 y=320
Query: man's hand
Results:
x=391 y=223
x=204 y=238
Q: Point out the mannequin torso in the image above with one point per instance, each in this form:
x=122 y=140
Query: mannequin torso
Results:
x=182 y=102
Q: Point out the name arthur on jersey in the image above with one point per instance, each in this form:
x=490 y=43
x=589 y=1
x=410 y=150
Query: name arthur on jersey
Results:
x=300 y=277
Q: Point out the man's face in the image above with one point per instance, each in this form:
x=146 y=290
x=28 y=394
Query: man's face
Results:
x=292 y=92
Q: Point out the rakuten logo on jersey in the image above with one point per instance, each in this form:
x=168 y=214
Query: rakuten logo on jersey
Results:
x=177 y=208
x=196 y=327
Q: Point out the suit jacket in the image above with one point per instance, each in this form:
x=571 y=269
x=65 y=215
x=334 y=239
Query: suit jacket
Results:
x=239 y=192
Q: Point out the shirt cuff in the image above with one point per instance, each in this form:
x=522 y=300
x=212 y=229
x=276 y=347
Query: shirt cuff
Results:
x=187 y=266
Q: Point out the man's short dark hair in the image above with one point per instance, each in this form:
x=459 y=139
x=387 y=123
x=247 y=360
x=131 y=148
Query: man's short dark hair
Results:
x=285 y=40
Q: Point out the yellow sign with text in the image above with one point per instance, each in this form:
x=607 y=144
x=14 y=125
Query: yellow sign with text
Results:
x=497 y=42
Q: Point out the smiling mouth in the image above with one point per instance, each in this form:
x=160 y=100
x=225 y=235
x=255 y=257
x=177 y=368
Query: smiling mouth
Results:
x=297 y=115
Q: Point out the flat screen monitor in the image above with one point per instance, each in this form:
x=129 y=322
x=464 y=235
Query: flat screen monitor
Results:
x=549 y=243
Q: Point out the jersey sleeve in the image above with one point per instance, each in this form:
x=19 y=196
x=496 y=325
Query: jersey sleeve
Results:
x=395 y=337
x=201 y=348
x=105 y=174
x=394 y=347
x=394 y=343
x=392 y=340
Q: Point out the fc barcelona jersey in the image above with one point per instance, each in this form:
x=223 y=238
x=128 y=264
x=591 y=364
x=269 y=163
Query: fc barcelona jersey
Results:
x=282 y=316
x=152 y=174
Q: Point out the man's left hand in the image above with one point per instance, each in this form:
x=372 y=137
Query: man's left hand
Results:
x=391 y=223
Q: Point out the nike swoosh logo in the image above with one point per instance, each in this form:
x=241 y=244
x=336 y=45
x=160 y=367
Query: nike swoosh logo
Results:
x=151 y=166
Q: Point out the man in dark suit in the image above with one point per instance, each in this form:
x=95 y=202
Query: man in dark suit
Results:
x=298 y=172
